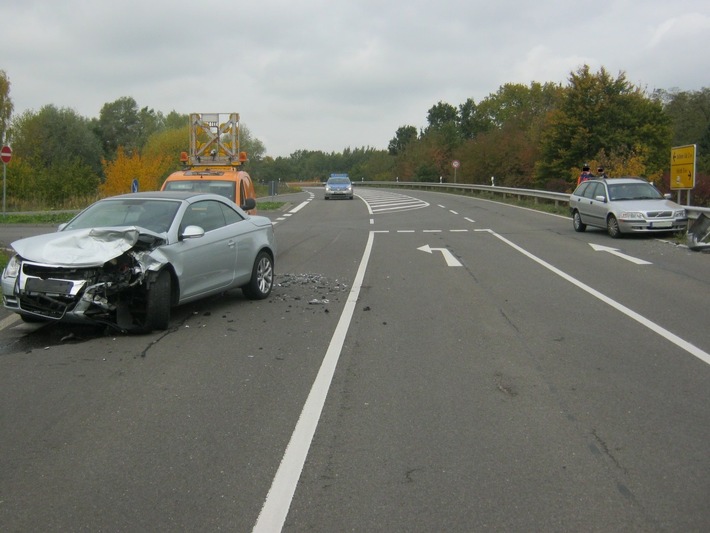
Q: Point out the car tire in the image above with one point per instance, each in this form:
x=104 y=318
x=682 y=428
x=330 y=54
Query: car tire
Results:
x=577 y=222
x=157 y=303
x=612 y=227
x=262 y=277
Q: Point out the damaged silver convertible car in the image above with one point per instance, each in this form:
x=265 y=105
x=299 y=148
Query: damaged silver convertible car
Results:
x=125 y=261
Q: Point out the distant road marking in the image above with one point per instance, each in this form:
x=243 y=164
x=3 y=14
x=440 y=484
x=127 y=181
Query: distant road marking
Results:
x=672 y=337
x=379 y=202
x=278 y=500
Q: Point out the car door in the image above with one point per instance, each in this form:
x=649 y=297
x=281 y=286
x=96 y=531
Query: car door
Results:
x=207 y=264
x=598 y=204
x=588 y=204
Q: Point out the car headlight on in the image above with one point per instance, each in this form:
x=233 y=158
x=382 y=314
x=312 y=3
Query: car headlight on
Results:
x=631 y=215
x=12 y=268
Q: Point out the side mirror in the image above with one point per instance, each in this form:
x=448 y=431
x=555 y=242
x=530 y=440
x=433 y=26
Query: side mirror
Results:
x=192 y=232
x=600 y=198
x=248 y=204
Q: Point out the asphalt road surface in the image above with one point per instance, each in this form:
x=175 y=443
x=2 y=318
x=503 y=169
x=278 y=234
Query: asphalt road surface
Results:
x=427 y=362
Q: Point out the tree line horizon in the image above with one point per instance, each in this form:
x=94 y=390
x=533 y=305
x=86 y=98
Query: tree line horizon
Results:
x=535 y=136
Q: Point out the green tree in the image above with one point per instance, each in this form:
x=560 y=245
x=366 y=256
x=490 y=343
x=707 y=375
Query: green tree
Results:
x=442 y=114
x=605 y=119
x=254 y=148
x=119 y=124
x=402 y=137
x=6 y=107
x=175 y=120
x=59 y=152
x=689 y=113
x=472 y=122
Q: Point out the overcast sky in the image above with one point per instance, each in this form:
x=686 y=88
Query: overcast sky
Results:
x=329 y=74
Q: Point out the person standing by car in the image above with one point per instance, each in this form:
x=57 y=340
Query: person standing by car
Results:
x=601 y=174
x=585 y=175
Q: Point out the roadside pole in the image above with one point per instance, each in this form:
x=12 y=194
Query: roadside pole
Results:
x=5 y=156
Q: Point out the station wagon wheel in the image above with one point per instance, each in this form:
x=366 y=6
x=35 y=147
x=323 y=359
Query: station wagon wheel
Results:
x=262 y=278
x=612 y=227
x=157 y=303
x=577 y=222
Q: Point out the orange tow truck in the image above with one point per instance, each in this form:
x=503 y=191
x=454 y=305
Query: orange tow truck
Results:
x=214 y=162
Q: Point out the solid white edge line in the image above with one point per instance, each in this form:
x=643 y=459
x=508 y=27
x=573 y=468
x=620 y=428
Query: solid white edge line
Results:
x=278 y=500
x=672 y=337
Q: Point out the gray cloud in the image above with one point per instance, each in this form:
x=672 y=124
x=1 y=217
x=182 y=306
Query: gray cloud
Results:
x=323 y=75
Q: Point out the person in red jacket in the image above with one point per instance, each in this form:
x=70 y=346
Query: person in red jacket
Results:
x=585 y=175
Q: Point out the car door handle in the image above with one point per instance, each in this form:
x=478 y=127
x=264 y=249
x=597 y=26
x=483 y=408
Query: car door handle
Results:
x=231 y=243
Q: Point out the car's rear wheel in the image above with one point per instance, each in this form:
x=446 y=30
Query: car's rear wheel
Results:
x=262 y=278
x=577 y=222
x=157 y=303
x=612 y=227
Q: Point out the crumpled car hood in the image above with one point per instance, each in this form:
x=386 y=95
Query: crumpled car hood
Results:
x=84 y=248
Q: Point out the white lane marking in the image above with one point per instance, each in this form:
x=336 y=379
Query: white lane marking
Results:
x=299 y=207
x=617 y=253
x=672 y=337
x=469 y=219
x=384 y=201
x=448 y=256
x=9 y=321
x=278 y=500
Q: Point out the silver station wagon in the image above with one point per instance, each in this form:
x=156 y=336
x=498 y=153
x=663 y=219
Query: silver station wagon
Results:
x=625 y=205
x=125 y=261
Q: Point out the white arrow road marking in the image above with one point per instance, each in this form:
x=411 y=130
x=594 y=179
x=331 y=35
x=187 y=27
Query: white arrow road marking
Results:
x=448 y=256
x=616 y=252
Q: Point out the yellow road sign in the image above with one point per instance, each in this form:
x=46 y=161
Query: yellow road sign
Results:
x=683 y=167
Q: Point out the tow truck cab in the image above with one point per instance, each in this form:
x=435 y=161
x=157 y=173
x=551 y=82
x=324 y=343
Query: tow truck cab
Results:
x=230 y=182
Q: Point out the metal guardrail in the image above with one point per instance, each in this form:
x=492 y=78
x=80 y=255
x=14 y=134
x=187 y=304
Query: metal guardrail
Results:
x=558 y=198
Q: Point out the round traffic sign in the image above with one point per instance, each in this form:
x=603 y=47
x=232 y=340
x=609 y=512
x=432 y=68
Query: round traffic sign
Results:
x=455 y=164
x=6 y=154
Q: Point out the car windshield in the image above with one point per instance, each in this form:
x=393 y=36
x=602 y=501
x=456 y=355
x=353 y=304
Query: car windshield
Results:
x=338 y=181
x=154 y=215
x=221 y=187
x=633 y=191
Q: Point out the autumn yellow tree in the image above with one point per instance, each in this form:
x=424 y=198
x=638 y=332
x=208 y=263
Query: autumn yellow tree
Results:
x=121 y=172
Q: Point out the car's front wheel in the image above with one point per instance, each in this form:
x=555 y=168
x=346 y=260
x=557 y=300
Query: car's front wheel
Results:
x=577 y=222
x=612 y=227
x=262 y=278
x=157 y=303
